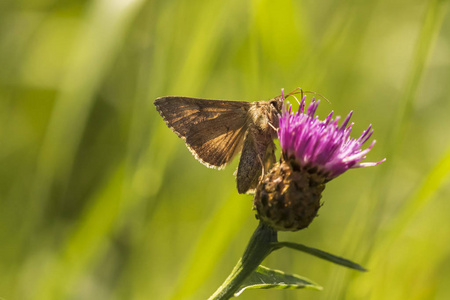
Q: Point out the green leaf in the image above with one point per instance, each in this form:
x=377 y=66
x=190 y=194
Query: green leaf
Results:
x=265 y=278
x=321 y=254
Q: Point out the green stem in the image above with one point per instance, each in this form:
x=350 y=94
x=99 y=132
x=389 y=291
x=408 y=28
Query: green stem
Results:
x=260 y=245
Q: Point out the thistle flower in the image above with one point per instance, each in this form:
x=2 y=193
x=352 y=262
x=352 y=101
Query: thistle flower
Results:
x=313 y=153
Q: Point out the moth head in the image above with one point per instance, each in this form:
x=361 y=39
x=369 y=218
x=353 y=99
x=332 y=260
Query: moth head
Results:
x=275 y=109
x=276 y=104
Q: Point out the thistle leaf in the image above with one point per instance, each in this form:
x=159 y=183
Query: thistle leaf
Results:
x=321 y=254
x=265 y=278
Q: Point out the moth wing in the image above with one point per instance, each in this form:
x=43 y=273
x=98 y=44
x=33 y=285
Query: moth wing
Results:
x=212 y=129
x=257 y=157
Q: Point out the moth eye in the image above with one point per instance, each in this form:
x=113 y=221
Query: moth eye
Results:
x=276 y=104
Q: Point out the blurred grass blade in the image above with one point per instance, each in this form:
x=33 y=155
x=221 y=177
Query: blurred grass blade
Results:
x=435 y=180
x=88 y=239
x=265 y=278
x=425 y=42
x=321 y=254
x=216 y=237
x=106 y=21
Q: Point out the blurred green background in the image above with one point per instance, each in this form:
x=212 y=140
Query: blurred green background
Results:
x=100 y=200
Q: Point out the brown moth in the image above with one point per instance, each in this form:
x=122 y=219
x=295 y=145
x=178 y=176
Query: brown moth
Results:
x=216 y=130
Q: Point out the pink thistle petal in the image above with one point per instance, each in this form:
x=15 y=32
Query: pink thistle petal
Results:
x=322 y=144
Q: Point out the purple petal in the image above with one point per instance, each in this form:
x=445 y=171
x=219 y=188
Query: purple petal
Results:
x=322 y=144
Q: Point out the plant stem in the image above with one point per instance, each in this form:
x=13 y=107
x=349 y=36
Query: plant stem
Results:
x=259 y=246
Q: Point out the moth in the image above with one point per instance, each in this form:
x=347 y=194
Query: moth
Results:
x=216 y=130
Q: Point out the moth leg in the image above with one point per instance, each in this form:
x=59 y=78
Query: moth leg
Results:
x=269 y=159
x=263 y=167
x=273 y=127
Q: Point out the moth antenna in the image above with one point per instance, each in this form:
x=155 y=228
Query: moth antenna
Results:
x=296 y=91
x=300 y=91
x=321 y=96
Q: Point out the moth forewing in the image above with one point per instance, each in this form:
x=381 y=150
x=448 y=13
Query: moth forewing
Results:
x=213 y=130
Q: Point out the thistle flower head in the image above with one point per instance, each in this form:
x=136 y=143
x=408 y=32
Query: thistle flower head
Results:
x=323 y=146
x=314 y=152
